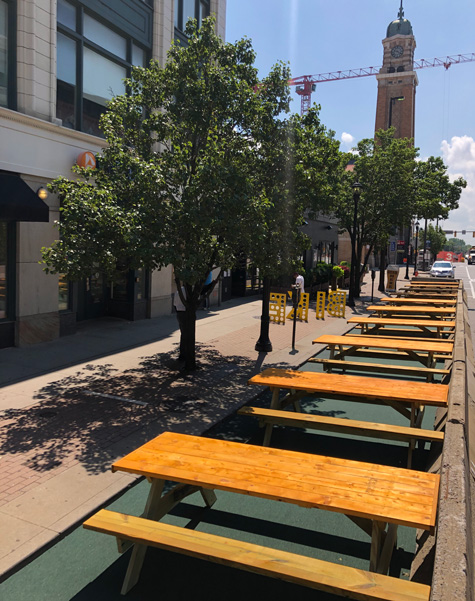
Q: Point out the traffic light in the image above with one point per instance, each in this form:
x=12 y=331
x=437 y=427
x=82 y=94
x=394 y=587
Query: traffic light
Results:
x=455 y=234
x=473 y=234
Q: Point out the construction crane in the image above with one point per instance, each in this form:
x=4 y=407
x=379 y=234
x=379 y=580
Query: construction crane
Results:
x=306 y=84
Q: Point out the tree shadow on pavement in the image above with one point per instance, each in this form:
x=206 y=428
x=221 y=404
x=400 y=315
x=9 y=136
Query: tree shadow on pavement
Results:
x=82 y=417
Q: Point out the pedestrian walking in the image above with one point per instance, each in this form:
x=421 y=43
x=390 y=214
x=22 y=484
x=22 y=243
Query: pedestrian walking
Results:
x=299 y=282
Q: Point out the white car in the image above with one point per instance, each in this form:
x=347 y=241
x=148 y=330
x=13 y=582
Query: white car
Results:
x=442 y=269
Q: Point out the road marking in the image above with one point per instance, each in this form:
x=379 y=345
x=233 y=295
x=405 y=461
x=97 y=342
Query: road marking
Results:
x=114 y=397
x=470 y=281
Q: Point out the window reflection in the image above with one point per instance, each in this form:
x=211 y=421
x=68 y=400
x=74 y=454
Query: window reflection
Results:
x=102 y=80
x=63 y=293
x=3 y=270
x=66 y=73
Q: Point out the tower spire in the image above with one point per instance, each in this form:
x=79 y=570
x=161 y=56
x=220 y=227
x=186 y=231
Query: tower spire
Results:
x=401 y=11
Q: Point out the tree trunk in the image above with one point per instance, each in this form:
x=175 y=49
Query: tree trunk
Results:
x=264 y=345
x=382 y=269
x=188 y=338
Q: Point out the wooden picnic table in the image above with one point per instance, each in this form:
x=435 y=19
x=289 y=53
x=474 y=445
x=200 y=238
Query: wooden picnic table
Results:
x=389 y=310
x=375 y=324
x=435 y=302
x=434 y=294
x=376 y=497
x=353 y=388
x=422 y=351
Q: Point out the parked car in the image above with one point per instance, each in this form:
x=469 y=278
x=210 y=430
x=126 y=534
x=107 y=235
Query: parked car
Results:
x=442 y=269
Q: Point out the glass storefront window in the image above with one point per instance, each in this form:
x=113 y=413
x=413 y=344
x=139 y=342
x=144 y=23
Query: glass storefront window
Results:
x=3 y=269
x=3 y=53
x=63 y=294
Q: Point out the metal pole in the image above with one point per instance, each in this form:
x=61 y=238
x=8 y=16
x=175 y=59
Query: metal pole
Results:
x=295 y=302
x=407 y=253
x=353 y=274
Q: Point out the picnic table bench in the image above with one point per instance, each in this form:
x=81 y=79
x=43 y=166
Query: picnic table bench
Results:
x=414 y=301
x=431 y=311
x=377 y=498
x=310 y=421
x=375 y=324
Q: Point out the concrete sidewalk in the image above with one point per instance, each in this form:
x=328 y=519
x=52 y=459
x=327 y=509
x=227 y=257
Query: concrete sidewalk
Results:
x=69 y=408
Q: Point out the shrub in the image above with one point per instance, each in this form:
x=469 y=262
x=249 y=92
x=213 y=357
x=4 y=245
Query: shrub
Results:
x=323 y=273
x=338 y=272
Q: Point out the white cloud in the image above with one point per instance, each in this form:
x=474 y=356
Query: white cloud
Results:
x=459 y=156
x=347 y=139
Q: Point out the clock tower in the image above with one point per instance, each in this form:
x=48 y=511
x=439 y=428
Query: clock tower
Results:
x=397 y=79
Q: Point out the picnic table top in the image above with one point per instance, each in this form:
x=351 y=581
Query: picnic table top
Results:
x=417 y=301
x=394 y=321
x=355 y=386
x=371 y=491
x=417 y=310
x=405 y=344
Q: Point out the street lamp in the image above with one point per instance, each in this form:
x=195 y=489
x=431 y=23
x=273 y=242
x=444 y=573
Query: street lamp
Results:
x=417 y=225
x=357 y=187
x=408 y=239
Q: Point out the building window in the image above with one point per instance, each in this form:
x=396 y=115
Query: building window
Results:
x=189 y=9
x=7 y=270
x=8 y=53
x=93 y=59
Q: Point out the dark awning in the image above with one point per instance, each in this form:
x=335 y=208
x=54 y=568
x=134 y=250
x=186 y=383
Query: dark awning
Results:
x=18 y=202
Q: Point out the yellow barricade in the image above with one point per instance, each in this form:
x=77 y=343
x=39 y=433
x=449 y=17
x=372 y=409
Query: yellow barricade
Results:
x=320 y=306
x=277 y=307
x=302 y=309
x=336 y=303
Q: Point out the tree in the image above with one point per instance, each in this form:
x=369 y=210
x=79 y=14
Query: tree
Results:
x=175 y=184
x=456 y=245
x=298 y=173
x=436 y=239
x=435 y=194
x=384 y=166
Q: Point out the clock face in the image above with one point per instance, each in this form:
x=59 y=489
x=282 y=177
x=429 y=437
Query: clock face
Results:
x=397 y=51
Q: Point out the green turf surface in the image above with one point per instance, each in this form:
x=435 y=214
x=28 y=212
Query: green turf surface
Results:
x=85 y=566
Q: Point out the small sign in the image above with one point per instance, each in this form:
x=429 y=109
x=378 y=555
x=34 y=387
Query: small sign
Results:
x=86 y=159
x=392 y=246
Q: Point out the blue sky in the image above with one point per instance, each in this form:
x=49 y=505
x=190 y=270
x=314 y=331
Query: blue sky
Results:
x=318 y=36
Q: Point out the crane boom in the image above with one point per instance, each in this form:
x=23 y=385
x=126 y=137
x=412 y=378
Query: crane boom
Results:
x=306 y=84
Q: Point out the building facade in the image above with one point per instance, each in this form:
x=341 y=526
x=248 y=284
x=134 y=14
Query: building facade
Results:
x=60 y=62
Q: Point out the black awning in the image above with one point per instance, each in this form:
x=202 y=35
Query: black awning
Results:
x=18 y=202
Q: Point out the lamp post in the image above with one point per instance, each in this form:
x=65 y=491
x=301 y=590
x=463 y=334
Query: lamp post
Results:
x=416 y=225
x=406 y=277
x=354 y=272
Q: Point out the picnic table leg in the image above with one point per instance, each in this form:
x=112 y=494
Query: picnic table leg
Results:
x=376 y=543
x=274 y=404
x=152 y=511
x=382 y=546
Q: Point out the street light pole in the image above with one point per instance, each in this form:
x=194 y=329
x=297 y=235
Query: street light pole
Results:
x=354 y=272
x=417 y=241
x=407 y=250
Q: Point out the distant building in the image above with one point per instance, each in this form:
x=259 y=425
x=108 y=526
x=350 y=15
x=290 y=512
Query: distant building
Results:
x=60 y=62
